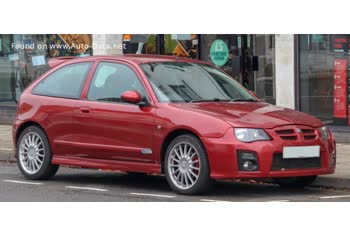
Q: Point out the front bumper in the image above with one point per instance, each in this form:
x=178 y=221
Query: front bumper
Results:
x=222 y=155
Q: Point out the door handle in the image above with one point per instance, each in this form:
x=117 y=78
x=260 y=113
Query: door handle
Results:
x=85 y=109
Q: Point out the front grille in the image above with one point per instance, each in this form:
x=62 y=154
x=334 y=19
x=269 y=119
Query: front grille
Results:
x=278 y=163
x=309 y=137
x=308 y=133
x=292 y=133
x=289 y=138
x=287 y=134
x=285 y=131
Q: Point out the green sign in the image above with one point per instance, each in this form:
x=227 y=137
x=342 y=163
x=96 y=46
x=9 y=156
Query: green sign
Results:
x=219 y=52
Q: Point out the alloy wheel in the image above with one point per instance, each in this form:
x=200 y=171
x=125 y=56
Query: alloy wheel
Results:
x=184 y=165
x=31 y=152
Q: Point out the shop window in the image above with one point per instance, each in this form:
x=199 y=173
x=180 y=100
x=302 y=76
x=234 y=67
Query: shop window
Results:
x=140 y=43
x=182 y=45
x=69 y=45
x=264 y=74
x=324 y=73
x=249 y=59
x=7 y=70
x=22 y=59
x=318 y=42
x=232 y=44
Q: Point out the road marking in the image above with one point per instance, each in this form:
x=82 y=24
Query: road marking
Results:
x=22 y=182
x=279 y=201
x=332 y=197
x=152 y=195
x=88 y=188
x=211 y=200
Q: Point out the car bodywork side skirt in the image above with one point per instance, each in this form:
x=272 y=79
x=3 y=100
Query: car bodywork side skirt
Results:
x=107 y=164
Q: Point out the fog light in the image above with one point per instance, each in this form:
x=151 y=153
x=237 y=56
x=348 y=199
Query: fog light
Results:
x=249 y=165
x=247 y=161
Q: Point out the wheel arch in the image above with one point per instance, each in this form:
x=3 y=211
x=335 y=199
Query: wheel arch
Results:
x=25 y=125
x=171 y=136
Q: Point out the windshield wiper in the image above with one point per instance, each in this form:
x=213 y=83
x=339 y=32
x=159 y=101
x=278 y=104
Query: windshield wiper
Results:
x=211 y=100
x=244 y=100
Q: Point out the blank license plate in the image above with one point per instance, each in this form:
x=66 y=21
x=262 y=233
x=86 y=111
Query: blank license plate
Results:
x=301 y=152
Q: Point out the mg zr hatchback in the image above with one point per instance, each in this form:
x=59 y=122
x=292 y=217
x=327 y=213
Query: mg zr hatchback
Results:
x=182 y=118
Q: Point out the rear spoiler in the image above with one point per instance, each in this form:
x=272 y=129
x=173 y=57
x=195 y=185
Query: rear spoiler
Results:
x=53 y=62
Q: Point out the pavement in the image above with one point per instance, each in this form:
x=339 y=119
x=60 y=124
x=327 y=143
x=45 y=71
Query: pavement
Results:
x=339 y=180
x=6 y=143
x=341 y=133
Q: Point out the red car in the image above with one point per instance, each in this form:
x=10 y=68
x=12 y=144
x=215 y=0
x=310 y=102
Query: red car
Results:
x=164 y=115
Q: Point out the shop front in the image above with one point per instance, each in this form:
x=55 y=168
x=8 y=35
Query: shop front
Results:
x=324 y=77
x=307 y=72
x=250 y=59
x=247 y=58
x=24 y=57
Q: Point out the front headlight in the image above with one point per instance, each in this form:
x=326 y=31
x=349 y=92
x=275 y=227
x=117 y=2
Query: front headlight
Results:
x=324 y=132
x=251 y=134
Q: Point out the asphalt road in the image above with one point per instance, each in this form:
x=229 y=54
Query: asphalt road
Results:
x=70 y=185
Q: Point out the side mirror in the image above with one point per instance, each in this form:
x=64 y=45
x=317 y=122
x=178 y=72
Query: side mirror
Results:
x=131 y=97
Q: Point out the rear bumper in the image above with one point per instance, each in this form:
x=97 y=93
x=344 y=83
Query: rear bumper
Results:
x=222 y=155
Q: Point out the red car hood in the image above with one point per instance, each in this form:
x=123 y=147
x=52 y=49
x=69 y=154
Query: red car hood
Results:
x=252 y=114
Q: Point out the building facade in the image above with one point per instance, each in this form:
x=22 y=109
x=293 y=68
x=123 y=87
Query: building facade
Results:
x=304 y=72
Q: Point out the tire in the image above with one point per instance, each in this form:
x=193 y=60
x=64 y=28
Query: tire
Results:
x=295 y=182
x=35 y=161
x=187 y=166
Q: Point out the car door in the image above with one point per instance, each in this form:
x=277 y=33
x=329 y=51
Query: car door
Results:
x=58 y=93
x=108 y=128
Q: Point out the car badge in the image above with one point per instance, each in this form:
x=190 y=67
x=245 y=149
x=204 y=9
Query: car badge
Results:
x=298 y=130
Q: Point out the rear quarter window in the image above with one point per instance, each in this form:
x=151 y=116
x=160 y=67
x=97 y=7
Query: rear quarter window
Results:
x=66 y=82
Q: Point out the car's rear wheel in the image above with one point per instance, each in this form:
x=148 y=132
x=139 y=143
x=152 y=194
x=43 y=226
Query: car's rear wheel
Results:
x=295 y=182
x=34 y=154
x=186 y=166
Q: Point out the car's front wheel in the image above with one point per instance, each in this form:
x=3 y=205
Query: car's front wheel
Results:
x=295 y=182
x=186 y=166
x=34 y=154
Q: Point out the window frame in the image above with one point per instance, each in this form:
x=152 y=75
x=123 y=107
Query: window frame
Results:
x=131 y=67
x=81 y=88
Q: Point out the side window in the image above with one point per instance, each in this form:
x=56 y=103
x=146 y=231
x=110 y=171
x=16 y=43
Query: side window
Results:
x=111 y=80
x=65 y=82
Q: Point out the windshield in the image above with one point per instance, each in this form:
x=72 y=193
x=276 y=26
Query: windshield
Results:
x=191 y=82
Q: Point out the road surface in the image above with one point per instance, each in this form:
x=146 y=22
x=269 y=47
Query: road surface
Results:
x=83 y=185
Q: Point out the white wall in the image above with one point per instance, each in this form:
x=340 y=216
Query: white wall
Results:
x=285 y=79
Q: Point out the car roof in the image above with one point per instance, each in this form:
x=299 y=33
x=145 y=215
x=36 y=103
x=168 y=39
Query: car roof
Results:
x=134 y=58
